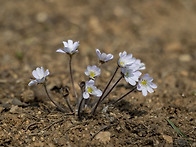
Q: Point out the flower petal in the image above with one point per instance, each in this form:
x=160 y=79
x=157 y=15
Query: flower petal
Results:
x=34 y=73
x=139 y=87
x=130 y=81
x=153 y=85
x=32 y=82
x=146 y=76
x=76 y=44
x=91 y=82
x=47 y=72
x=67 y=50
x=60 y=51
x=70 y=43
x=86 y=73
x=42 y=70
x=144 y=92
x=98 y=52
x=110 y=56
x=98 y=92
x=39 y=73
x=65 y=44
x=85 y=95
x=150 y=90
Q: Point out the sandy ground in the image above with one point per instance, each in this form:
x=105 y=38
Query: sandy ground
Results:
x=160 y=33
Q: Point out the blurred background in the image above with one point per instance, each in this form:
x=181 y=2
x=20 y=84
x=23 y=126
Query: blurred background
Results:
x=160 y=33
x=136 y=26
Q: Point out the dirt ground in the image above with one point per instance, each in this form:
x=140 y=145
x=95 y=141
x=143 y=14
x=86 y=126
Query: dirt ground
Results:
x=160 y=33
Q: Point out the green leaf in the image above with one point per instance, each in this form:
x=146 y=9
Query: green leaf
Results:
x=178 y=130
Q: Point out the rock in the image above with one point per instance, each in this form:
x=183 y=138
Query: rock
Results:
x=174 y=46
x=194 y=144
x=2 y=81
x=104 y=137
x=167 y=138
x=14 y=109
x=27 y=95
x=17 y=102
x=1 y=109
x=185 y=58
x=6 y=105
x=41 y=17
x=184 y=73
x=181 y=143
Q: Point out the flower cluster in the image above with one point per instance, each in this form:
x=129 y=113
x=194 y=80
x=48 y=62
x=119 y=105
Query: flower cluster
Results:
x=130 y=70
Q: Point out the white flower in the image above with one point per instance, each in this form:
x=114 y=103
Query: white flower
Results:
x=69 y=47
x=103 y=57
x=92 y=71
x=130 y=75
x=125 y=60
x=145 y=85
x=39 y=75
x=137 y=65
x=90 y=89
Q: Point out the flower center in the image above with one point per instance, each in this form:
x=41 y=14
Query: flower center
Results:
x=89 y=90
x=92 y=74
x=122 y=63
x=127 y=73
x=144 y=82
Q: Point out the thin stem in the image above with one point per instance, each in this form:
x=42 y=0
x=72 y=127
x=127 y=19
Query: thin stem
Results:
x=98 y=102
x=56 y=104
x=71 y=76
x=99 y=64
x=79 y=107
x=124 y=95
x=68 y=103
x=82 y=84
x=112 y=88
x=66 y=97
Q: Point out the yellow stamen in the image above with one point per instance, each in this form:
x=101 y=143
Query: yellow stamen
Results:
x=127 y=74
x=92 y=74
x=144 y=82
x=89 y=90
x=122 y=63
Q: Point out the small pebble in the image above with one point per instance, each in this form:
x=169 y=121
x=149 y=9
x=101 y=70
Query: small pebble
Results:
x=14 y=109
x=41 y=17
x=167 y=138
x=185 y=58
x=1 y=109
x=174 y=46
x=184 y=73
x=103 y=136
